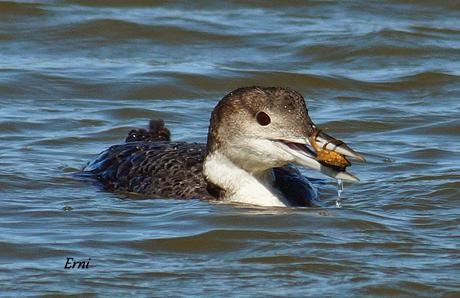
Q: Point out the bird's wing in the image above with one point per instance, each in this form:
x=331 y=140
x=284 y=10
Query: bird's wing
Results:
x=159 y=169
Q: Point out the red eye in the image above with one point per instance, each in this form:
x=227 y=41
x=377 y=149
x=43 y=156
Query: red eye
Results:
x=263 y=119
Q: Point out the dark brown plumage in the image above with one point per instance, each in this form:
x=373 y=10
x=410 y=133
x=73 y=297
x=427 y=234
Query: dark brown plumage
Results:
x=150 y=164
x=157 y=168
x=157 y=132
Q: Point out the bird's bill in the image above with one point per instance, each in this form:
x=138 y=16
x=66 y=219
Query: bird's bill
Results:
x=306 y=157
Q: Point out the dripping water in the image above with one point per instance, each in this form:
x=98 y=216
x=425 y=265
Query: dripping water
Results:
x=338 y=202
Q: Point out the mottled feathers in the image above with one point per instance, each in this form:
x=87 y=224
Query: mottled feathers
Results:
x=149 y=164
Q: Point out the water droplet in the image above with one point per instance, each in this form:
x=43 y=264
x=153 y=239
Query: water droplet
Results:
x=67 y=208
x=388 y=160
x=338 y=202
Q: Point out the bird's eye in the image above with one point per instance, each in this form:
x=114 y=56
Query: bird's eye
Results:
x=263 y=119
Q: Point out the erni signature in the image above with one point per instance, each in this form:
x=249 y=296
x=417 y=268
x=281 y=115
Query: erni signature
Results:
x=72 y=264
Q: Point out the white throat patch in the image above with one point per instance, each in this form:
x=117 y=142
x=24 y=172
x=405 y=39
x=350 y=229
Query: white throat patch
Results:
x=241 y=186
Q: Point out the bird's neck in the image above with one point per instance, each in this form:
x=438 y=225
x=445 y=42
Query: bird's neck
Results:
x=240 y=184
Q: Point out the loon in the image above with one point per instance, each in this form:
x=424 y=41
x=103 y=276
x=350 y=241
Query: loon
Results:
x=256 y=136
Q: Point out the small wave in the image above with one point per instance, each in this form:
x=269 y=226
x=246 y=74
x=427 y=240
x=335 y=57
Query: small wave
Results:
x=447 y=31
x=387 y=288
x=5 y=37
x=430 y=78
x=8 y=127
x=449 y=5
x=421 y=80
x=430 y=153
x=29 y=251
x=115 y=30
x=340 y=52
x=10 y=8
x=360 y=126
x=440 y=128
x=385 y=43
x=118 y=3
x=302 y=80
x=130 y=113
x=211 y=241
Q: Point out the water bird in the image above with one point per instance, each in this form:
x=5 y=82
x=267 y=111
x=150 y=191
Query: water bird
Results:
x=256 y=136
